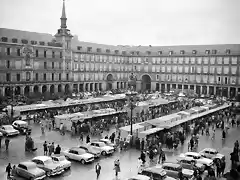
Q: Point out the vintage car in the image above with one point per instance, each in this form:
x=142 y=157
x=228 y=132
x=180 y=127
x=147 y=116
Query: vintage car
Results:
x=205 y=161
x=29 y=170
x=211 y=154
x=101 y=146
x=61 y=159
x=156 y=173
x=8 y=130
x=46 y=163
x=189 y=163
x=173 y=169
x=109 y=143
x=90 y=150
x=22 y=127
x=78 y=154
x=139 y=177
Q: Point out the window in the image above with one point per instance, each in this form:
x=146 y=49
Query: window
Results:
x=18 y=52
x=8 y=77
x=42 y=43
x=89 y=49
x=226 y=80
x=60 y=65
x=228 y=51
x=79 y=48
x=8 y=64
x=98 y=50
x=182 y=52
x=194 y=52
x=116 y=51
x=137 y=52
x=170 y=53
x=214 y=51
x=18 y=77
x=14 y=40
x=67 y=77
x=45 y=53
x=52 y=65
x=148 y=53
x=24 y=41
x=53 y=54
x=44 y=76
x=4 y=39
x=28 y=76
x=60 y=54
x=8 y=51
x=157 y=77
x=123 y=52
x=207 y=52
x=52 y=76
x=36 y=76
x=159 y=52
x=36 y=53
x=60 y=77
x=45 y=65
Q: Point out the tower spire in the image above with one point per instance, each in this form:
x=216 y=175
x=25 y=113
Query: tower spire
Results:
x=63 y=18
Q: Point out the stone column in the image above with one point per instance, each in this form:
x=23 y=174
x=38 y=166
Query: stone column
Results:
x=228 y=90
x=153 y=86
x=3 y=91
x=201 y=90
x=55 y=88
x=40 y=88
x=182 y=87
x=165 y=86
x=48 y=87
x=63 y=88
x=170 y=86
x=138 y=86
x=31 y=89
x=207 y=90
x=93 y=86
x=214 y=90
x=22 y=90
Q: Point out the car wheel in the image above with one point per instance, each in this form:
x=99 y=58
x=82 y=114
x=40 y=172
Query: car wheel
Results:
x=83 y=161
x=48 y=174
x=104 y=153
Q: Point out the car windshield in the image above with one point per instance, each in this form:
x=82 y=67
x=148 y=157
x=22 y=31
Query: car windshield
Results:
x=101 y=144
x=49 y=161
x=32 y=166
x=22 y=125
x=62 y=158
x=197 y=157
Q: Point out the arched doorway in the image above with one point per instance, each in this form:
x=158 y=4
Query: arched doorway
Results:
x=52 y=89
x=66 y=88
x=17 y=90
x=44 y=89
x=26 y=90
x=8 y=92
x=59 y=88
x=35 y=89
x=109 y=81
x=146 y=82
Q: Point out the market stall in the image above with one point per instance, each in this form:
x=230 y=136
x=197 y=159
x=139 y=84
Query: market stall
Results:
x=136 y=128
x=198 y=109
x=149 y=132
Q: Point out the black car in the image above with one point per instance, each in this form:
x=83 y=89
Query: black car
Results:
x=22 y=127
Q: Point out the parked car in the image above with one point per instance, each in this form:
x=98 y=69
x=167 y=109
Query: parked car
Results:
x=8 y=130
x=156 y=173
x=205 y=161
x=46 y=163
x=211 y=154
x=109 y=143
x=90 y=150
x=22 y=127
x=79 y=154
x=173 y=169
x=139 y=177
x=29 y=170
x=61 y=159
x=101 y=146
x=189 y=163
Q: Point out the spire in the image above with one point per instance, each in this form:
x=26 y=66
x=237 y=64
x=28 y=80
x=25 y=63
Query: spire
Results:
x=63 y=18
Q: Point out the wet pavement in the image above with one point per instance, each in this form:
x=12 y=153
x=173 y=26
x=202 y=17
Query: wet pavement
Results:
x=128 y=159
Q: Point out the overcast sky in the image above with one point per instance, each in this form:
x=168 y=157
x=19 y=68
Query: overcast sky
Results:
x=130 y=22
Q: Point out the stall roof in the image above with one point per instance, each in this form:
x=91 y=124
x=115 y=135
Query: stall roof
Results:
x=134 y=127
x=198 y=109
x=190 y=111
x=183 y=112
x=151 y=131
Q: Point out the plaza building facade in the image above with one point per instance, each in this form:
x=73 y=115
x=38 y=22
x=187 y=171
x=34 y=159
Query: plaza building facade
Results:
x=33 y=62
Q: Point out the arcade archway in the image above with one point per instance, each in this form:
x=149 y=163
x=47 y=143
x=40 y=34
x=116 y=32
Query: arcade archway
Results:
x=146 y=82
x=52 y=89
x=109 y=81
x=35 y=89
x=26 y=90
x=44 y=89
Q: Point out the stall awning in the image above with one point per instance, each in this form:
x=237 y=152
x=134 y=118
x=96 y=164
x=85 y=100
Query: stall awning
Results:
x=151 y=131
x=134 y=127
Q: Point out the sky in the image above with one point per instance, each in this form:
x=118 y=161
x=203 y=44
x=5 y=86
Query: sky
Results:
x=130 y=22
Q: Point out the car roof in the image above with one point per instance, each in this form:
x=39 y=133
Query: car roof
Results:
x=140 y=177
x=27 y=163
x=171 y=164
x=209 y=149
x=155 y=169
x=104 y=140
x=192 y=153
x=58 y=155
x=76 y=149
x=20 y=122
x=188 y=158
x=42 y=158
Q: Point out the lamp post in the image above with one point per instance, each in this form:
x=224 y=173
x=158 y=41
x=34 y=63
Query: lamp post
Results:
x=12 y=96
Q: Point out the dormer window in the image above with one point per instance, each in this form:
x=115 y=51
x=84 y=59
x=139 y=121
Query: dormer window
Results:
x=123 y=52
x=214 y=51
x=132 y=53
x=182 y=52
x=116 y=51
x=33 y=42
x=98 y=50
x=159 y=52
x=194 y=52
x=4 y=39
x=42 y=43
x=170 y=53
x=24 y=41
x=14 y=40
x=148 y=53
x=207 y=52
x=228 y=51
x=107 y=50
x=137 y=52
x=79 y=48
x=89 y=49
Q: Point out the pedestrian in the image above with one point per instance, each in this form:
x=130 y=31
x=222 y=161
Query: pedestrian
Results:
x=140 y=165
x=7 y=141
x=81 y=137
x=45 y=148
x=218 y=164
x=98 y=169
x=51 y=149
x=57 y=150
x=223 y=165
x=42 y=129
x=143 y=157
x=163 y=157
x=88 y=139
x=8 y=170
x=14 y=171
x=116 y=167
x=151 y=155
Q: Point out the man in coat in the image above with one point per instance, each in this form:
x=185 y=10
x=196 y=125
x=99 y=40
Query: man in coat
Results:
x=98 y=169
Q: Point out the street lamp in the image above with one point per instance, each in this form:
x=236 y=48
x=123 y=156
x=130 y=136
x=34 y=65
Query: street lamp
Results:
x=12 y=96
